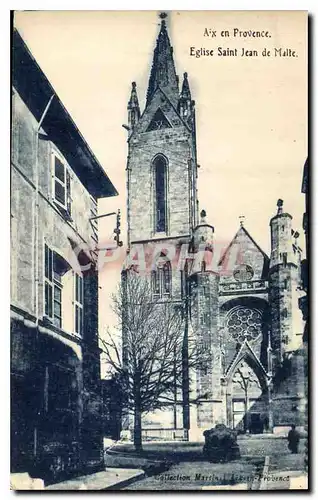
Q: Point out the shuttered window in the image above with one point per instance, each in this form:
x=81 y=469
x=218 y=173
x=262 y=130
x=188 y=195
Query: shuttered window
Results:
x=52 y=288
x=78 y=303
x=61 y=183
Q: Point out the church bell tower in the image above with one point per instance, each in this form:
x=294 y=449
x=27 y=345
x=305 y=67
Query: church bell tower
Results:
x=162 y=163
x=162 y=207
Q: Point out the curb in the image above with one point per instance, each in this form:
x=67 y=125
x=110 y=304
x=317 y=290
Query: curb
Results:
x=100 y=481
x=125 y=482
x=262 y=485
x=150 y=467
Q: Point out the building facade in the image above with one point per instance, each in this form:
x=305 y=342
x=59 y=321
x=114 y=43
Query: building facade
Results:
x=242 y=308
x=55 y=367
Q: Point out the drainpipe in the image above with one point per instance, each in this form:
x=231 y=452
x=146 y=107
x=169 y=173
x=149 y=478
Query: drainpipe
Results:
x=36 y=242
x=185 y=362
x=269 y=385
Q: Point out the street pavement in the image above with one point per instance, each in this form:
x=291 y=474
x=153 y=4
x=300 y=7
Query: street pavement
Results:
x=285 y=472
x=109 y=479
x=280 y=471
x=198 y=476
x=193 y=473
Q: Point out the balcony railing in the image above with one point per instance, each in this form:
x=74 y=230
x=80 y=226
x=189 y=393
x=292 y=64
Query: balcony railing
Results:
x=243 y=286
x=165 y=434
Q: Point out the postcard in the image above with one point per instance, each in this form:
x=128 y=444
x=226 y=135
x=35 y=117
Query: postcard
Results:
x=159 y=246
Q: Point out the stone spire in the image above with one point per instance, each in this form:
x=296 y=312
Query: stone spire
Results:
x=163 y=73
x=133 y=107
x=185 y=92
x=186 y=104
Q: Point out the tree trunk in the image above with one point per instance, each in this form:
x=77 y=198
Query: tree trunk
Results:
x=137 y=429
x=137 y=414
x=246 y=412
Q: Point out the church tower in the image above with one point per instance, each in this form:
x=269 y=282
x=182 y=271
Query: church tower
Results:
x=286 y=321
x=284 y=282
x=242 y=309
x=162 y=207
x=162 y=164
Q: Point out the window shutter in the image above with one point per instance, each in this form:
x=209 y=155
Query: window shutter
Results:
x=59 y=186
x=48 y=282
x=68 y=192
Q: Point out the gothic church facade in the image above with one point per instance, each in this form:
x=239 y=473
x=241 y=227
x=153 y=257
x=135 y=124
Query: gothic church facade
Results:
x=243 y=311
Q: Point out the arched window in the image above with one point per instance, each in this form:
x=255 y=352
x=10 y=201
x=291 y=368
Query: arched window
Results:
x=161 y=281
x=155 y=277
x=166 y=275
x=160 y=171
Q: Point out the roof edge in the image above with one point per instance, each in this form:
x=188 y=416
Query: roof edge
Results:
x=35 y=90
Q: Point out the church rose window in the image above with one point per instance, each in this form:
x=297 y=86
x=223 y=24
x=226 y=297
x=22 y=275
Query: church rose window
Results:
x=243 y=273
x=244 y=323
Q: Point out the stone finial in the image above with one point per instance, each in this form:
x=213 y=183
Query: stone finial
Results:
x=133 y=107
x=280 y=204
x=185 y=91
x=203 y=216
x=163 y=16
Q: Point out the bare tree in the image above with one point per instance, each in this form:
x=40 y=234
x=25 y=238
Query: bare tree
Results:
x=149 y=354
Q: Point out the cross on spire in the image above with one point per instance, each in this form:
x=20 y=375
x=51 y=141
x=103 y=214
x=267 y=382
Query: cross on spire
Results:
x=242 y=220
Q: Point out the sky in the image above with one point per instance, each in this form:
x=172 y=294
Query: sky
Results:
x=251 y=112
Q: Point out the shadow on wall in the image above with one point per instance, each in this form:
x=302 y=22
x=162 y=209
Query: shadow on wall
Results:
x=256 y=419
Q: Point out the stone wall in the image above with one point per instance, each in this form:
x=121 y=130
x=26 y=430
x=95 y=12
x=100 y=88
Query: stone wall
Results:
x=36 y=221
x=52 y=226
x=289 y=391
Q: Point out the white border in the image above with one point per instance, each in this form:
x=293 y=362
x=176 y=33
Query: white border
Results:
x=311 y=6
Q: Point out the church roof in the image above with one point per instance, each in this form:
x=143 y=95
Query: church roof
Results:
x=242 y=229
